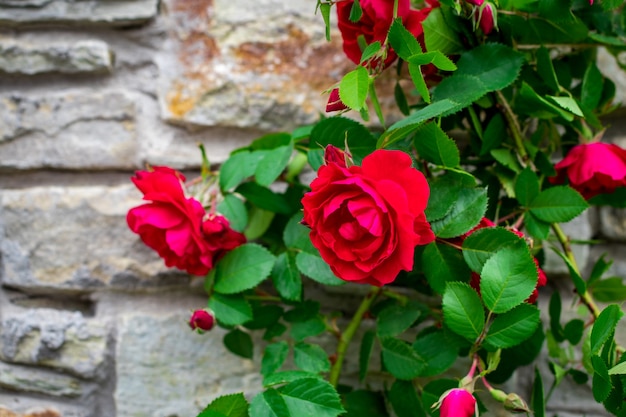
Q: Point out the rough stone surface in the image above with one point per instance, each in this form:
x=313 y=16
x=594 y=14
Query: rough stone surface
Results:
x=165 y=370
x=70 y=130
x=88 y=56
x=114 y=13
x=76 y=240
x=34 y=380
x=56 y=339
x=613 y=223
x=215 y=73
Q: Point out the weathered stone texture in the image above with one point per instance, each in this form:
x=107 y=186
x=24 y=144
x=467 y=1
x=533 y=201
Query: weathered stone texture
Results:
x=87 y=56
x=34 y=380
x=56 y=339
x=110 y=12
x=215 y=72
x=72 y=130
x=76 y=240
x=165 y=370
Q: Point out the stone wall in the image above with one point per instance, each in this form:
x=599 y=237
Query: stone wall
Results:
x=92 y=323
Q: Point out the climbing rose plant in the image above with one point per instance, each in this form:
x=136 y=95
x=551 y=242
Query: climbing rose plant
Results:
x=437 y=214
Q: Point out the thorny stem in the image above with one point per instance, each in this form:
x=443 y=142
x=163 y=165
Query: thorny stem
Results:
x=513 y=124
x=348 y=334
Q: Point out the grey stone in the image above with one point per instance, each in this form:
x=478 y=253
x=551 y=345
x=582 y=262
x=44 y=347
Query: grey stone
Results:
x=87 y=56
x=110 y=12
x=164 y=369
x=57 y=339
x=76 y=240
x=72 y=130
x=40 y=381
x=613 y=223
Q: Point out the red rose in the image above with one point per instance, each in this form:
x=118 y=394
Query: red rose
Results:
x=334 y=102
x=367 y=220
x=593 y=168
x=484 y=15
x=172 y=224
x=374 y=24
x=458 y=403
x=201 y=320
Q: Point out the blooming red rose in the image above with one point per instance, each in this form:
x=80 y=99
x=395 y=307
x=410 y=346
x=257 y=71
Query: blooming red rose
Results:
x=202 y=321
x=593 y=168
x=172 y=224
x=334 y=102
x=366 y=220
x=458 y=402
x=374 y=24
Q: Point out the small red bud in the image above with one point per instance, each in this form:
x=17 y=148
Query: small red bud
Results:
x=201 y=320
x=334 y=102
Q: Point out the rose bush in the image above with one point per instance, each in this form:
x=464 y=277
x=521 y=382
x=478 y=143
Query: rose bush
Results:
x=407 y=207
x=367 y=220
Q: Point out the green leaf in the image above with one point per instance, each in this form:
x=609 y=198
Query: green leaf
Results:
x=325 y=11
x=311 y=397
x=239 y=343
x=470 y=207
x=512 y=327
x=438 y=352
x=546 y=69
x=496 y=65
x=530 y=103
x=235 y=211
x=232 y=405
x=609 y=290
x=315 y=268
x=581 y=286
x=265 y=316
x=438 y=36
x=493 y=135
x=273 y=164
x=619 y=369
x=404 y=400
x=264 y=198
x=402 y=41
x=484 y=243
x=353 y=88
x=273 y=357
x=591 y=92
x=442 y=264
x=365 y=352
x=269 y=404
x=538 y=229
x=356 y=11
x=286 y=277
x=395 y=319
x=507 y=158
x=238 y=167
x=567 y=103
x=307 y=328
x=370 y=50
x=401 y=101
x=507 y=279
x=601 y=381
x=417 y=77
x=283 y=377
x=434 y=145
x=463 y=311
x=443 y=194
x=311 y=358
x=243 y=268
x=573 y=331
x=258 y=223
x=604 y=326
x=400 y=359
x=526 y=186
x=599 y=269
x=335 y=131
x=538 y=400
x=230 y=310
x=362 y=403
x=554 y=310
x=296 y=235
x=558 y=205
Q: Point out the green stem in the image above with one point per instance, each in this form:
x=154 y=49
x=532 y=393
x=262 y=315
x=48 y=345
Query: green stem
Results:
x=376 y=104
x=395 y=8
x=513 y=124
x=348 y=334
x=567 y=249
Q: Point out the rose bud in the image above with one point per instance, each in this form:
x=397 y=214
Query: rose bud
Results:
x=592 y=169
x=202 y=321
x=457 y=402
x=334 y=102
x=333 y=154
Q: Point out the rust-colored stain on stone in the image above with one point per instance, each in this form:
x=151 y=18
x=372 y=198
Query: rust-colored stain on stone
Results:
x=178 y=103
x=39 y=413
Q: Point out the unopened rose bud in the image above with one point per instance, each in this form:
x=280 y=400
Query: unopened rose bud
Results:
x=516 y=404
x=486 y=19
x=334 y=102
x=201 y=320
x=334 y=155
x=457 y=402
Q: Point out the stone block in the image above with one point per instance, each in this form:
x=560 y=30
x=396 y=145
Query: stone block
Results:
x=70 y=130
x=86 y=56
x=76 y=240
x=226 y=66
x=613 y=223
x=110 y=13
x=39 y=381
x=164 y=369
x=61 y=340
